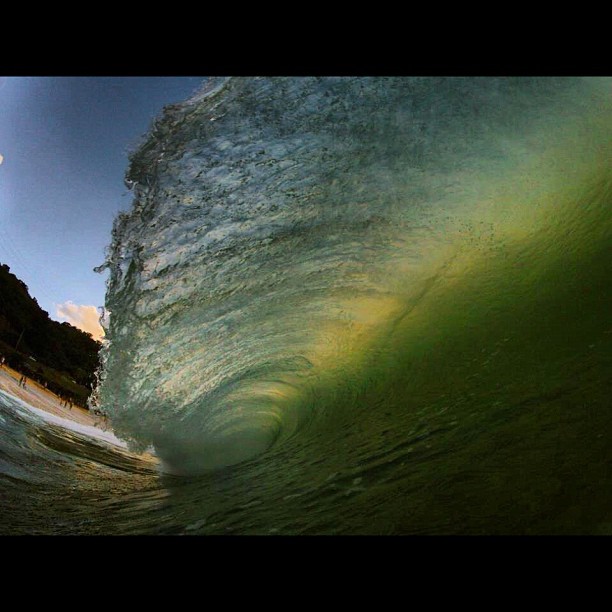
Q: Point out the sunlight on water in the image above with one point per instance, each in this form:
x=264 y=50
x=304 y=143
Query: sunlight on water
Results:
x=364 y=305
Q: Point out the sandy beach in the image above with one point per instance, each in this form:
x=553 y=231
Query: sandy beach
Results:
x=39 y=397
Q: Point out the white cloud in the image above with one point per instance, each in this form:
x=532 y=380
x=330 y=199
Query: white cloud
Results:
x=86 y=318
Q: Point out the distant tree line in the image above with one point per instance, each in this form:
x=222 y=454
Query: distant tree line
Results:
x=58 y=354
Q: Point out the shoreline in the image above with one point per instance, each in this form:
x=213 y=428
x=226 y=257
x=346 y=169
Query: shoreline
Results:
x=46 y=404
x=39 y=397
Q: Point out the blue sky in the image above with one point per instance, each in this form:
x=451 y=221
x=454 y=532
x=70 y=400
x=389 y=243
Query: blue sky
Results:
x=64 y=143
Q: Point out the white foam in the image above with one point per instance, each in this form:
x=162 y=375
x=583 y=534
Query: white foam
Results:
x=86 y=430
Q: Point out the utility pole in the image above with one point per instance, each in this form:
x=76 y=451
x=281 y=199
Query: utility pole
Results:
x=20 y=337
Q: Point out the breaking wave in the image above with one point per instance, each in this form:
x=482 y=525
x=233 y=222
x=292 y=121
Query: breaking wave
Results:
x=305 y=255
x=348 y=306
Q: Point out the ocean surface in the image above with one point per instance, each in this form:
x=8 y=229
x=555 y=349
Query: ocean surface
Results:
x=349 y=306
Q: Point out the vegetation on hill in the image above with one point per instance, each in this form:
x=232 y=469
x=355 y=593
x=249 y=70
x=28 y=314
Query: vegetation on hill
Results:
x=58 y=354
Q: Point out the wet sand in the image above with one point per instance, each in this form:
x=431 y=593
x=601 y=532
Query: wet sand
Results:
x=39 y=397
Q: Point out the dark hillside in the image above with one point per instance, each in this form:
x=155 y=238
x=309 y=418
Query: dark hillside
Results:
x=59 y=354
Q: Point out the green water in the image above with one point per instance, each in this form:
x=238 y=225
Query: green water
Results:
x=443 y=366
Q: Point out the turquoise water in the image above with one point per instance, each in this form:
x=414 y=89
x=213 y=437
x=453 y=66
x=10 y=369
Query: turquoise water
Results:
x=352 y=306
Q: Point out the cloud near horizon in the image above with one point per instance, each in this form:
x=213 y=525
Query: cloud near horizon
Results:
x=85 y=318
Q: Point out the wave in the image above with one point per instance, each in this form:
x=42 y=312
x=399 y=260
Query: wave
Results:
x=313 y=258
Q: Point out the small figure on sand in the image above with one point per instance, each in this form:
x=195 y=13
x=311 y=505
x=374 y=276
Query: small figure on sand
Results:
x=22 y=381
x=2 y=360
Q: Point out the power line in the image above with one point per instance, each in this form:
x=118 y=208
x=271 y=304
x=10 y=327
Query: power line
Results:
x=14 y=252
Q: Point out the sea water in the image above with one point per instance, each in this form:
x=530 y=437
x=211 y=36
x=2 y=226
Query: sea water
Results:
x=349 y=306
